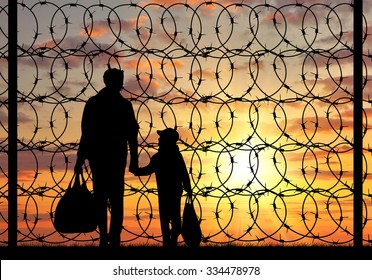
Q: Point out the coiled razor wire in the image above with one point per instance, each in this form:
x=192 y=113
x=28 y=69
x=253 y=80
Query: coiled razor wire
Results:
x=261 y=95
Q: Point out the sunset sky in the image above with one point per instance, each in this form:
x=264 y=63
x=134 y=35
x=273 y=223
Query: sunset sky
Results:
x=260 y=94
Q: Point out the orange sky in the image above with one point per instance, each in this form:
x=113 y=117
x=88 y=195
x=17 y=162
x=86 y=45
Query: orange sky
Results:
x=246 y=134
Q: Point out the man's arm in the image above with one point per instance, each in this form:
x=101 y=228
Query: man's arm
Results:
x=82 y=152
x=132 y=140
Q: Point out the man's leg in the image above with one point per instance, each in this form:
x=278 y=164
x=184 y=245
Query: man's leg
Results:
x=117 y=215
x=101 y=203
x=102 y=219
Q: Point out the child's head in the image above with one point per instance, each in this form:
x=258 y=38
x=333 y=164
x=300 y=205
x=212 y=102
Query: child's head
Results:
x=168 y=137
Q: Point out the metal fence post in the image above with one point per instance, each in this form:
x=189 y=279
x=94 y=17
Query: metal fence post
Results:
x=358 y=123
x=12 y=123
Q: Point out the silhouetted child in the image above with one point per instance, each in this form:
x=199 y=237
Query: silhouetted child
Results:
x=171 y=178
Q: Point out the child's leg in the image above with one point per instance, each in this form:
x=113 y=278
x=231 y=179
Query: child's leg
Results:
x=165 y=216
x=175 y=221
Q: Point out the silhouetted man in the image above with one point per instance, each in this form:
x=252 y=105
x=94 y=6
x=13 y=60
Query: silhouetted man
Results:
x=108 y=126
x=171 y=179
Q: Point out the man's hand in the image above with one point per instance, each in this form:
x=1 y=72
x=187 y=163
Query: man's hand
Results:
x=133 y=169
x=189 y=193
x=133 y=166
x=78 y=169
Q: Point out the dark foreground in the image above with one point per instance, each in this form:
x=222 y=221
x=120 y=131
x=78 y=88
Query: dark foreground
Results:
x=185 y=253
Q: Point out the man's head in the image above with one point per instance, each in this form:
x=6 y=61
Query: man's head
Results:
x=168 y=137
x=114 y=78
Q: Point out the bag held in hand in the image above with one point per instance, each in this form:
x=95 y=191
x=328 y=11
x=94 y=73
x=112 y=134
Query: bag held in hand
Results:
x=76 y=211
x=191 y=231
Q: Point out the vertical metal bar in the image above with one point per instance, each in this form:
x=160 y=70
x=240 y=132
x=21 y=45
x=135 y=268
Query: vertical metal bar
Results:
x=358 y=123
x=12 y=123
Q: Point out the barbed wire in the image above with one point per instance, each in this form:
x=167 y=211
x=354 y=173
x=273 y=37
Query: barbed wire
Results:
x=260 y=94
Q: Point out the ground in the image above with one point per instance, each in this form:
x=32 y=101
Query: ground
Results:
x=201 y=253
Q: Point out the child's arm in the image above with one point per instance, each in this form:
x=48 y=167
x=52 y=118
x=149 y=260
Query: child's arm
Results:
x=143 y=171
x=146 y=170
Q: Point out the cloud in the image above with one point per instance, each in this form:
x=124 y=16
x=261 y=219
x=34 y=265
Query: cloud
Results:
x=326 y=129
x=142 y=86
x=103 y=28
x=3 y=117
x=290 y=18
x=3 y=66
x=98 y=29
